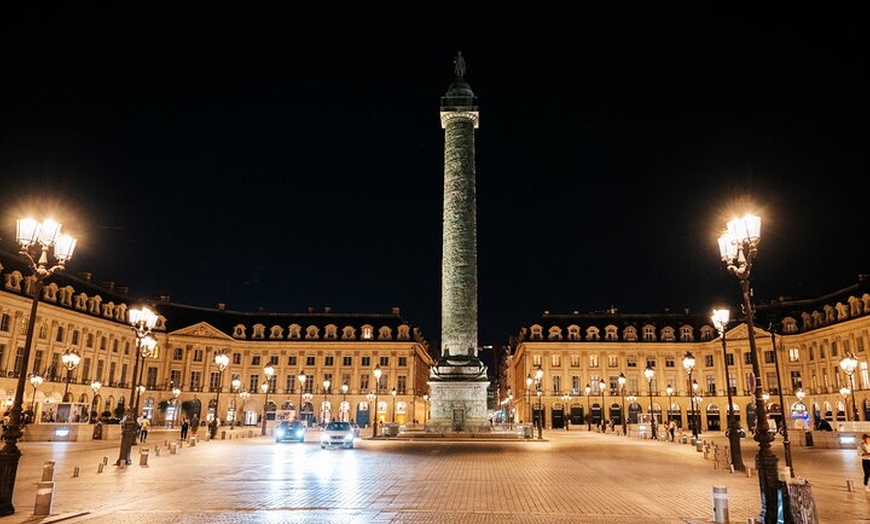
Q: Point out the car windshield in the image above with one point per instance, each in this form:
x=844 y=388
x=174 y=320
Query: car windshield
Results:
x=338 y=426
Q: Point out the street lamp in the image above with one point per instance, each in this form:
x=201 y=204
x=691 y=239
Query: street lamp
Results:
x=142 y=321
x=800 y=396
x=845 y=391
x=377 y=374
x=36 y=239
x=176 y=392
x=649 y=373
x=631 y=400
x=371 y=398
x=848 y=364
x=539 y=375
x=326 y=414
x=588 y=408
x=393 y=392
x=221 y=360
x=689 y=366
x=244 y=395
x=669 y=391
x=426 y=407
x=301 y=378
x=344 y=407
x=35 y=381
x=738 y=247
x=601 y=386
x=70 y=360
x=720 y=318
x=566 y=398
x=786 y=443
x=235 y=384
x=529 y=382
x=268 y=370
x=95 y=385
x=621 y=381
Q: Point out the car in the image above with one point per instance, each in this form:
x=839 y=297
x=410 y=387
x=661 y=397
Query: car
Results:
x=337 y=435
x=290 y=431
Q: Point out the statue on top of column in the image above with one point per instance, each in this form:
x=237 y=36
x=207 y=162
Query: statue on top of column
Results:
x=459 y=61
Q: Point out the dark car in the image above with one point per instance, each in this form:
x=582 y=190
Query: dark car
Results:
x=290 y=431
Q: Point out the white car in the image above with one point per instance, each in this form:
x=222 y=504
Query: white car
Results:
x=337 y=435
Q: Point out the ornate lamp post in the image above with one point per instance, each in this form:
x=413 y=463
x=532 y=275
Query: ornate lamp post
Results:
x=35 y=381
x=566 y=398
x=588 y=408
x=601 y=386
x=426 y=407
x=720 y=318
x=631 y=400
x=800 y=396
x=393 y=392
x=176 y=392
x=95 y=386
x=36 y=240
x=738 y=247
x=377 y=374
x=268 y=370
x=70 y=360
x=529 y=382
x=689 y=366
x=301 y=377
x=848 y=364
x=344 y=406
x=143 y=321
x=845 y=391
x=235 y=384
x=221 y=360
x=669 y=391
x=621 y=381
x=244 y=395
x=371 y=398
x=326 y=414
x=539 y=376
x=649 y=373
x=786 y=443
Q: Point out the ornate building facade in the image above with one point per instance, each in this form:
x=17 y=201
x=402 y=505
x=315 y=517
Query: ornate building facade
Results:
x=800 y=343
x=77 y=314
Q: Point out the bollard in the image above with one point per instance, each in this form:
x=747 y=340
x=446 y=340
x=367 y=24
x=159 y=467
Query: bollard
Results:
x=166 y=443
x=100 y=467
x=105 y=460
x=173 y=448
x=156 y=451
x=850 y=484
x=750 y=520
x=122 y=464
x=143 y=457
x=192 y=441
x=699 y=445
x=76 y=471
x=48 y=470
x=732 y=468
x=44 y=494
x=748 y=472
x=720 y=504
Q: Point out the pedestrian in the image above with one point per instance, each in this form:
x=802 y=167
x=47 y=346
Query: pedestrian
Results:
x=672 y=428
x=143 y=429
x=864 y=453
x=185 y=425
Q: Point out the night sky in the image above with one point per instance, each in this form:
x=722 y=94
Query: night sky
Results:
x=281 y=159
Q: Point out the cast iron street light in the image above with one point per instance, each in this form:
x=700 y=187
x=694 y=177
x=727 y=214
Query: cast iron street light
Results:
x=36 y=239
x=143 y=321
x=689 y=366
x=566 y=398
x=631 y=400
x=738 y=247
x=268 y=370
x=95 y=385
x=848 y=364
x=221 y=360
x=326 y=411
x=345 y=408
x=539 y=376
x=426 y=407
x=301 y=378
x=371 y=398
x=377 y=373
x=235 y=384
x=588 y=408
x=244 y=395
x=786 y=443
x=35 y=381
x=70 y=360
x=800 y=396
x=669 y=391
x=649 y=373
x=720 y=320
x=621 y=381
x=529 y=382
x=845 y=391
x=393 y=392
x=176 y=392
x=601 y=386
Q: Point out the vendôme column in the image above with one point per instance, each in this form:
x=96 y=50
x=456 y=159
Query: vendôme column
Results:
x=458 y=381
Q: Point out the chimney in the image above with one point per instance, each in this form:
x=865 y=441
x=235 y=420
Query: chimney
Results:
x=109 y=284
x=85 y=275
x=124 y=290
x=395 y=310
x=222 y=305
x=327 y=309
x=164 y=298
x=311 y=309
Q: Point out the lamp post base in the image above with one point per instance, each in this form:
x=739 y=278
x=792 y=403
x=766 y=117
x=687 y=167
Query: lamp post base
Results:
x=128 y=438
x=9 y=457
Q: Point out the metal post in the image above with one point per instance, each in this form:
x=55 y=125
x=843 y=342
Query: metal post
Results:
x=733 y=424
x=786 y=444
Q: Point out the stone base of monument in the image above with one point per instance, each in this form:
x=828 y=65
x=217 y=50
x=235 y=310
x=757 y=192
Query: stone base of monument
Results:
x=458 y=406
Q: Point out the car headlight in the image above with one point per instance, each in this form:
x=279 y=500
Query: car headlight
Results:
x=279 y=432
x=349 y=436
x=324 y=437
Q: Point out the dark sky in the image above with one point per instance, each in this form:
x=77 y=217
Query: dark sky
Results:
x=270 y=157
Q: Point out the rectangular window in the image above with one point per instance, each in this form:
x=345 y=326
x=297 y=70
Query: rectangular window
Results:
x=214 y=380
x=5 y=322
x=237 y=359
x=384 y=361
x=364 y=383
x=59 y=335
x=366 y=361
x=403 y=362
x=89 y=340
x=669 y=362
x=834 y=349
x=329 y=361
x=747 y=358
x=557 y=384
x=729 y=359
x=310 y=361
x=796 y=381
x=708 y=361
x=86 y=368
x=575 y=361
x=37 y=361
x=177 y=354
x=115 y=345
x=123 y=372
x=103 y=342
x=75 y=338
x=613 y=361
x=254 y=383
x=401 y=384
x=593 y=361
x=347 y=361
x=151 y=378
x=100 y=369
x=771 y=384
x=113 y=366
x=255 y=360
x=195 y=380
x=793 y=355
x=537 y=360
x=273 y=360
x=291 y=361
x=175 y=378
x=711 y=384
x=769 y=357
x=575 y=385
x=631 y=362
x=197 y=355
x=556 y=361
x=290 y=386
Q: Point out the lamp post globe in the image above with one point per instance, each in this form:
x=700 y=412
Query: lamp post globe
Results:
x=601 y=386
x=669 y=391
x=621 y=380
x=649 y=373
x=377 y=373
x=269 y=371
x=221 y=360
x=393 y=392
x=70 y=359
x=35 y=381
x=301 y=377
x=689 y=366
x=848 y=364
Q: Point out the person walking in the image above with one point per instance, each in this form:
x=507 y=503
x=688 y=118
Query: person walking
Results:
x=672 y=428
x=143 y=429
x=864 y=453
x=185 y=425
